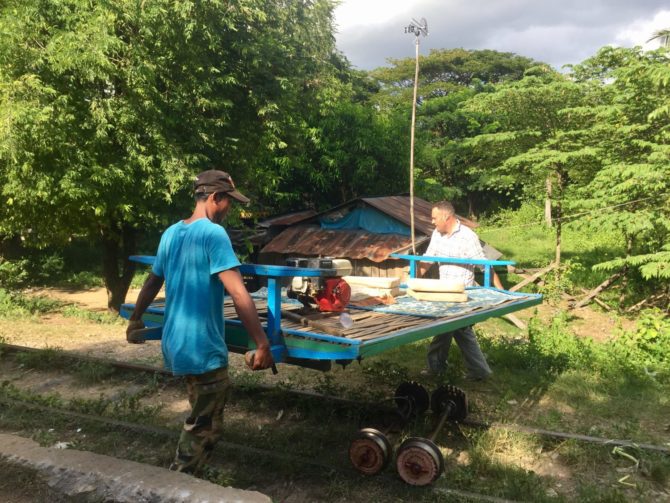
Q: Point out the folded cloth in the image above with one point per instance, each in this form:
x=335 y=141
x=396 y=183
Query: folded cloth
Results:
x=438 y=296
x=435 y=285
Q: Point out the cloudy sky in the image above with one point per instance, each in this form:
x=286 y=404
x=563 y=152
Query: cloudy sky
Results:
x=556 y=32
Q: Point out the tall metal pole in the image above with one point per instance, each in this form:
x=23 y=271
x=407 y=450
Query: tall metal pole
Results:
x=417 y=28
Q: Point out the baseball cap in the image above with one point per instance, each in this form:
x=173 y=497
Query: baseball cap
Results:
x=213 y=181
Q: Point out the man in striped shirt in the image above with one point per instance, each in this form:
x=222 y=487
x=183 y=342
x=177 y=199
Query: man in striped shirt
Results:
x=453 y=239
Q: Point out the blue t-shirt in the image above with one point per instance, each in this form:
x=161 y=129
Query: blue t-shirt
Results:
x=189 y=257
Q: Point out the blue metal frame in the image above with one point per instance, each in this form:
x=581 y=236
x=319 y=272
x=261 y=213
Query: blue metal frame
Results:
x=488 y=264
x=273 y=273
x=349 y=348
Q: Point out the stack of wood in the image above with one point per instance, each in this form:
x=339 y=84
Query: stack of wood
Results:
x=436 y=290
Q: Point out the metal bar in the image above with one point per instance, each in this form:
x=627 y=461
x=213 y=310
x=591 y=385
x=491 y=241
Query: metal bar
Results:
x=412 y=268
x=274 y=310
x=142 y=259
x=452 y=260
x=280 y=271
x=487 y=275
x=311 y=335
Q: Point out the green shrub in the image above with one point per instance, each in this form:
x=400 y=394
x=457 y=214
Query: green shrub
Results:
x=83 y=279
x=561 y=281
x=139 y=278
x=555 y=348
x=104 y=318
x=15 y=304
x=13 y=273
x=646 y=350
x=642 y=353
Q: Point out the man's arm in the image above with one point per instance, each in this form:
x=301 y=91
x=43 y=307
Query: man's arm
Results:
x=496 y=279
x=150 y=289
x=423 y=268
x=246 y=310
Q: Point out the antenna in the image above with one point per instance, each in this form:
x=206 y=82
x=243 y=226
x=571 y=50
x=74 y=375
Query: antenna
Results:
x=417 y=28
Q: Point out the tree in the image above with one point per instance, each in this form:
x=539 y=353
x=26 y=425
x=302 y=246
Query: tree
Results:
x=635 y=177
x=600 y=134
x=539 y=140
x=663 y=36
x=107 y=110
x=447 y=79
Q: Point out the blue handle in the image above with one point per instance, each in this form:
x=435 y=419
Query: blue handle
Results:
x=488 y=264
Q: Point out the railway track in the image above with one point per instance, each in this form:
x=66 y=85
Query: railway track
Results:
x=218 y=458
x=559 y=435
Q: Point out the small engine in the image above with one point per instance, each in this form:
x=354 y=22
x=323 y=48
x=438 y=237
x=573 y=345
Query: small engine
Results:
x=329 y=293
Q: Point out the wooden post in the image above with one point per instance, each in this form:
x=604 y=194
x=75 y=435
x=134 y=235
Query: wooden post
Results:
x=547 y=203
x=411 y=151
x=559 y=223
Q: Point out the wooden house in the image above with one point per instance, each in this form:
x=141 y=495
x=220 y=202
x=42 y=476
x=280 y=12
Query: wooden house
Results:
x=365 y=230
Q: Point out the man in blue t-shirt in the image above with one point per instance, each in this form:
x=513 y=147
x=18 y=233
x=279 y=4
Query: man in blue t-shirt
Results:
x=196 y=261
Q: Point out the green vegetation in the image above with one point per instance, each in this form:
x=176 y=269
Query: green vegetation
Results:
x=108 y=110
x=90 y=113
x=106 y=318
x=14 y=304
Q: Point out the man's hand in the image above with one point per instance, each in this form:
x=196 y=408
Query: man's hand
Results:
x=134 y=325
x=262 y=358
x=246 y=311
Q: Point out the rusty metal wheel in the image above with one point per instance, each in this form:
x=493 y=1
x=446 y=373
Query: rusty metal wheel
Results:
x=370 y=451
x=419 y=461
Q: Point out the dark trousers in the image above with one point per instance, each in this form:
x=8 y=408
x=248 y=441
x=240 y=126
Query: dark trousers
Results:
x=207 y=394
x=465 y=337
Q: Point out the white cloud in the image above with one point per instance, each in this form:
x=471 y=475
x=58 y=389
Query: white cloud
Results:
x=351 y=14
x=552 y=31
x=640 y=31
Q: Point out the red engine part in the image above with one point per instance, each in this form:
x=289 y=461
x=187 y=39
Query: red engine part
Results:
x=334 y=296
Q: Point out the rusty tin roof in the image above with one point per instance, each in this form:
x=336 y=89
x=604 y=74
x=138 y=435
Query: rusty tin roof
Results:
x=304 y=238
x=311 y=240
x=288 y=218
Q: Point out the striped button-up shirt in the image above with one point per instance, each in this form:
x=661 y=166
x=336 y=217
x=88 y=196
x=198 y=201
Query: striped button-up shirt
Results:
x=462 y=243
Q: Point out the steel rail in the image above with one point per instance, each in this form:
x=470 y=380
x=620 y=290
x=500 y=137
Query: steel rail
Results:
x=166 y=432
x=357 y=403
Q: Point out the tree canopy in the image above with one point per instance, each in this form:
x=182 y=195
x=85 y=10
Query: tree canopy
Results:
x=108 y=110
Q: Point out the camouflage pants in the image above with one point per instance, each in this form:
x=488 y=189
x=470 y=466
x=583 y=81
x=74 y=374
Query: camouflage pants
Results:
x=207 y=394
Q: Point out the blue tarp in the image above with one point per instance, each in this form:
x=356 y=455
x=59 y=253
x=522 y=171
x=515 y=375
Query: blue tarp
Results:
x=370 y=220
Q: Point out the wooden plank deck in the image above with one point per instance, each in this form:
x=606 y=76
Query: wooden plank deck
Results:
x=368 y=325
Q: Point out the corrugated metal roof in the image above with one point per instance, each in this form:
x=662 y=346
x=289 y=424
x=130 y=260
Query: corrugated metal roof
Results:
x=395 y=206
x=287 y=219
x=311 y=240
x=398 y=208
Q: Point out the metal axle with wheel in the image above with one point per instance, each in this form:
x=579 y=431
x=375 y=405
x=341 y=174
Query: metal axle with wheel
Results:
x=370 y=451
x=420 y=461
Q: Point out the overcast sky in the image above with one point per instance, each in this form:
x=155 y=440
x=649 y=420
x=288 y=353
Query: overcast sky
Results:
x=555 y=32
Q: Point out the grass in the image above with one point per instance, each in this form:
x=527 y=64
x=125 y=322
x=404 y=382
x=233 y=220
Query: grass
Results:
x=16 y=305
x=494 y=462
x=522 y=235
x=104 y=317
